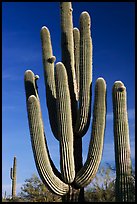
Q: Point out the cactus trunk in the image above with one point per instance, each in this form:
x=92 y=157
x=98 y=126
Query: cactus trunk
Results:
x=13 y=177
x=76 y=194
x=122 y=144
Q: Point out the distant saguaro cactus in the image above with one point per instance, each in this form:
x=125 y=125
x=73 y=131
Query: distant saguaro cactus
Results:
x=68 y=94
x=122 y=144
x=13 y=177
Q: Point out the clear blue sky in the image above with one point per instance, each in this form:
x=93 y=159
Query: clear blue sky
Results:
x=113 y=36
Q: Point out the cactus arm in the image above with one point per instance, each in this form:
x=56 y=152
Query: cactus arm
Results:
x=30 y=87
x=55 y=170
x=67 y=44
x=48 y=60
x=122 y=144
x=65 y=124
x=40 y=151
x=76 y=36
x=88 y=171
x=83 y=119
x=48 y=64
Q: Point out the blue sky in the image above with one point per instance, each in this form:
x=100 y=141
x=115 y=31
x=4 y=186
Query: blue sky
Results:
x=113 y=36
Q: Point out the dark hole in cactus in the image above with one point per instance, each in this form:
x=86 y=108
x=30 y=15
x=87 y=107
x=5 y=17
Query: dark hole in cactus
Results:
x=52 y=59
x=121 y=89
x=71 y=9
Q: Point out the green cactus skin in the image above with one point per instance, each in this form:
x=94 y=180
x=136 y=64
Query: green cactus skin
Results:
x=68 y=92
x=13 y=172
x=122 y=144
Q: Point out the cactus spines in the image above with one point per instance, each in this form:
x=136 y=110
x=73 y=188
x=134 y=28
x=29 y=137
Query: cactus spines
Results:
x=122 y=144
x=68 y=93
x=13 y=177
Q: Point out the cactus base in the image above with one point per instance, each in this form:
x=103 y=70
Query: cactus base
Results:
x=74 y=195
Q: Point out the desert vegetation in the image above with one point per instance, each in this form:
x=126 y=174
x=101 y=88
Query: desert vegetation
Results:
x=101 y=190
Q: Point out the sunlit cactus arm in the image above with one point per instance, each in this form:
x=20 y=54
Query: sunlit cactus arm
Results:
x=122 y=144
x=67 y=45
x=48 y=65
x=85 y=67
x=48 y=60
x=89 y=170
x=65 y=129
x=40 y=151
x=76 y=36
x=45 y=166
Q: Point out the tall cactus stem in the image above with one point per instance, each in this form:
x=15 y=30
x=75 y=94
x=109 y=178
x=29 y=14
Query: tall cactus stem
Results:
x=122 y=143
x=67 y=44
x=13 y=172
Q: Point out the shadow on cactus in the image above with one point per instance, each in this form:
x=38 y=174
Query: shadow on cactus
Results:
x=68 y=96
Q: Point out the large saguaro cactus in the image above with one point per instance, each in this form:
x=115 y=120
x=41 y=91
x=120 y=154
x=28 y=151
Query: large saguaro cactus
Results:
x=68 y=97
x=13 y=177
x=122 y=144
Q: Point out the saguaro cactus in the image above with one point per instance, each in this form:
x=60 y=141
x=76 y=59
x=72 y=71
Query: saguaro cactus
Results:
x=122 y=144
x=13 y=177
x=68 y=97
